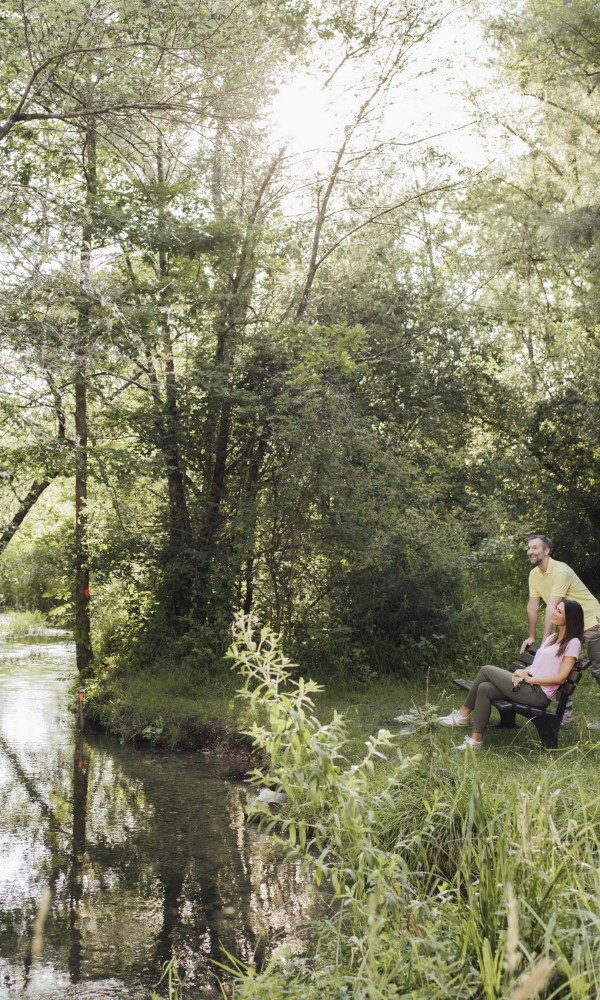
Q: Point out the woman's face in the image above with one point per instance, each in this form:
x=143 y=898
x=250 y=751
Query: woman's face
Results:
x=558 y=615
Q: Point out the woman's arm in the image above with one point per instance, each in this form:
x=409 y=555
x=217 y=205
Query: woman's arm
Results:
x=566 y=665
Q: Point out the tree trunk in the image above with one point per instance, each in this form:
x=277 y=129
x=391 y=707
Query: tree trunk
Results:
x=180 y=556
x=234 y=315
x=83 y=643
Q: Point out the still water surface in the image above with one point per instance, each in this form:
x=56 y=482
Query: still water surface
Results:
x=145 y=852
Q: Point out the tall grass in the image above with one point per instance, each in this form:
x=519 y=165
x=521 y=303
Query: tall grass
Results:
x=466 y=875
x=19 y=625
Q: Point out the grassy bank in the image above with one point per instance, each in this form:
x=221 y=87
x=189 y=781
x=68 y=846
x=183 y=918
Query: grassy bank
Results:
x=183 y=708
x=176 y=709
x=454 y=875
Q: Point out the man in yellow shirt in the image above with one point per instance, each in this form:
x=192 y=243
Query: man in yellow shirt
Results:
x=554 y=581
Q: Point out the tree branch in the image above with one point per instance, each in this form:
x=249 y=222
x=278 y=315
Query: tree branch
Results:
x=30 y=500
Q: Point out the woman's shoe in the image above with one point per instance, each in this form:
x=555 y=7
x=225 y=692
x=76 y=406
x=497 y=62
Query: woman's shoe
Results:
x=454 y=719
x=469 y=744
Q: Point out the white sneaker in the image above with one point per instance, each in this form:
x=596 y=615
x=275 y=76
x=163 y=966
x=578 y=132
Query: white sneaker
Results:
x=469 y=744
x=454 y=719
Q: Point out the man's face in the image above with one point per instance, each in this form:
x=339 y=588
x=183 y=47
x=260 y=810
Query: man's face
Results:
x=536 y=553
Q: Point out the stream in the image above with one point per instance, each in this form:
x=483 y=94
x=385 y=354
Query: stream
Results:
x=145 y=853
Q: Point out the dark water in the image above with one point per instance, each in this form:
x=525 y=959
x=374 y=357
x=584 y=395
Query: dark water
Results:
x=145 y=852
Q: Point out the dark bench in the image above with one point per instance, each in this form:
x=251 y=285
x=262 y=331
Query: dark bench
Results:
x=547 y=721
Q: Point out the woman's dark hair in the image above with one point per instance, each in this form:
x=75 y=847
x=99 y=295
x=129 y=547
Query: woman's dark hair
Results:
x=573 y=625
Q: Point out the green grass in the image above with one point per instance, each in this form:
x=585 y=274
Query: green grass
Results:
x=175 y=708
x=167 y=707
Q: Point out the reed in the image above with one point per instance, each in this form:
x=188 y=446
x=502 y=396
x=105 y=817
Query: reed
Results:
x=171 y=980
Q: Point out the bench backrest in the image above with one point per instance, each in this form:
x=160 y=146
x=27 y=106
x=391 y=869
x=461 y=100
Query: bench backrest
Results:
x=573 y=679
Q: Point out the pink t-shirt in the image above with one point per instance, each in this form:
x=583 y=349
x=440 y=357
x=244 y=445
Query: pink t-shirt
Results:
x=546 y=661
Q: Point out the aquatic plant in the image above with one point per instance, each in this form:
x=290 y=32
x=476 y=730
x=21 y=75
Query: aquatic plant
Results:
x=172 y=979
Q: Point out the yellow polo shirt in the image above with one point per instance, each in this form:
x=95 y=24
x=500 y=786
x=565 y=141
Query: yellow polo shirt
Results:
x=559 y=580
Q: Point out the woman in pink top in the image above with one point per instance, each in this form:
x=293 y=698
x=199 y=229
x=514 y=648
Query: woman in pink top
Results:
x=535 y=685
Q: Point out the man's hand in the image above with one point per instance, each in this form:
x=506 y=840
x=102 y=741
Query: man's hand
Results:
x=528 y=642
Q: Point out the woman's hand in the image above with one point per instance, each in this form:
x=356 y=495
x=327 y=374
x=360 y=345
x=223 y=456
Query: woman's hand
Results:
x=517 y=677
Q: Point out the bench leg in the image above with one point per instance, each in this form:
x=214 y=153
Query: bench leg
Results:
x=508 y=718
x=548 y=728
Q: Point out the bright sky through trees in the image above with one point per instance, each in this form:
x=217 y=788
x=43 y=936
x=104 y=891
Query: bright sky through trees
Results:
x=430 y=106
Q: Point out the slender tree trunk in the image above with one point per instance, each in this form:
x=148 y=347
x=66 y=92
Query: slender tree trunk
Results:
x=83 y=642
x=180 y=533
x=324 y=196
x=252 y=490
x=180 y=556
x=321 y=216
x=234 y=315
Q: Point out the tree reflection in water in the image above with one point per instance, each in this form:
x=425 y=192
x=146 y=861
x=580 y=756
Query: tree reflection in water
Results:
x=146 y=854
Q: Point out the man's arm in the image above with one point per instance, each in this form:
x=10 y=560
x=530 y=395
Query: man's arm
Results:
x=533 y=607
x=553 y=600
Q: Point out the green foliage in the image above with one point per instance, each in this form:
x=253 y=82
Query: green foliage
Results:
x=36 y=567
x=328 y=811
x=544 y=214
x=244 y=448
x=455 y=876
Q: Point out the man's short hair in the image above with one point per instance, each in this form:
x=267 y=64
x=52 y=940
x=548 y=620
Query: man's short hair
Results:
x=546 y=542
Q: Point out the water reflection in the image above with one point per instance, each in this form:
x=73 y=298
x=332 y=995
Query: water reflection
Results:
x=145 y=853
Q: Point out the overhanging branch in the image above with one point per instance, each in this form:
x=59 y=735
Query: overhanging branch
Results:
x=30 y=500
